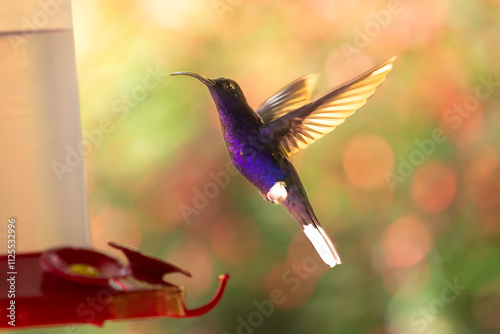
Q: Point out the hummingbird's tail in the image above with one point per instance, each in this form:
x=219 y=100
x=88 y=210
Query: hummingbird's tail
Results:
x=313 y=230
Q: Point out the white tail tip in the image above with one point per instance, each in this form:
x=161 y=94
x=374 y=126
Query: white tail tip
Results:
x=322 y=244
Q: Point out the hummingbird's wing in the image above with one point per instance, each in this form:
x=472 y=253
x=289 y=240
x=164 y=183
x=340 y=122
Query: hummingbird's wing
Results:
x=299 y=128
x=290 y=98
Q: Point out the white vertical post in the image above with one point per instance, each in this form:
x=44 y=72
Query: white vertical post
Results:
x=42 y=178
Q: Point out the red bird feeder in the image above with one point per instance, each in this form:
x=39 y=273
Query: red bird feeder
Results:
x=83 y=286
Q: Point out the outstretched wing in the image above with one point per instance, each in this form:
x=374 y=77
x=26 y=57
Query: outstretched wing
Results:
x=290 y=98
x=297 y=129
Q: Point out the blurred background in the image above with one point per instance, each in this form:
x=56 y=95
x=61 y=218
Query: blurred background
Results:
x=408 y=187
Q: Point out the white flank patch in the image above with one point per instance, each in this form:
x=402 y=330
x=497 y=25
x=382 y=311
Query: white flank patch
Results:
x=277 y=193
x=327 y=253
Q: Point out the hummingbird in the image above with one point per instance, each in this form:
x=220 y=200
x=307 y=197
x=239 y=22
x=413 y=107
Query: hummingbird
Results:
x=260 y=143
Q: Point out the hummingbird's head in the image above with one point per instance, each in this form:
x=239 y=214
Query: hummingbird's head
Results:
x=226 y=93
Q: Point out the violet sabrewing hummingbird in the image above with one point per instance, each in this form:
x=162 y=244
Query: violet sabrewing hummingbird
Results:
x=261 y=143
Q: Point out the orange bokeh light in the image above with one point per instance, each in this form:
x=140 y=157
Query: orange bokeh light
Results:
x=367 y=159
x=434 y=186
x=406 y=242
x=467 y=129
x=292 y=284
x=235 y=239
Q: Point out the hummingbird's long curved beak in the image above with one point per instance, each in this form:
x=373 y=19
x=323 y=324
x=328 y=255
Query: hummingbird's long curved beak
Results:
x=205 y=80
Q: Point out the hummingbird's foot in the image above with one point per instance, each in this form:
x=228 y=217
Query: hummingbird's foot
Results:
x=277 y=193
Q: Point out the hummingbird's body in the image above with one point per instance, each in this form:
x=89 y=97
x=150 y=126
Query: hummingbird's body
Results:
x=260 y=143
x=250 y=157
x=258 y=162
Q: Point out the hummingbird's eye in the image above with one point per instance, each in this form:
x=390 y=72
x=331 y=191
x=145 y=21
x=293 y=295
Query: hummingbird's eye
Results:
x=228 y=86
